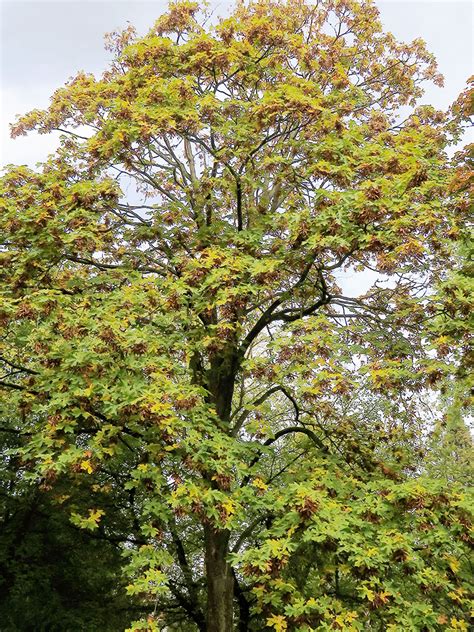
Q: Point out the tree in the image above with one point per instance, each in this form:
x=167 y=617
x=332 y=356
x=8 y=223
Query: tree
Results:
x=452 y=445
x=53 y=575
x=174 y=325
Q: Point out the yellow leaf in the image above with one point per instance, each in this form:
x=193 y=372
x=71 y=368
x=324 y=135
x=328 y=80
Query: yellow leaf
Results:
x=95 y=515
x=367 y=593
x=229 y=507
x=259 y=484
x=170 y=448
x=453 y=564
x=457 y=595
x=87 y=466
x=278 y=623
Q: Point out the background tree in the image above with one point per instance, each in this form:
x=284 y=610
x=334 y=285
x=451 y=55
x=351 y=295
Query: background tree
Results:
x=451 y=444
x=53 y=575
x=174 y=325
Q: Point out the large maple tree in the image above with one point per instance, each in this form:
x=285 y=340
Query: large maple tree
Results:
x=180 y=335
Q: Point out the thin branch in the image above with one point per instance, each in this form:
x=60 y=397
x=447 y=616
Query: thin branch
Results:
x=257 y=402
x=17 y=366
x=269 y=316
x=246 y=532
x=17 y=387
x=281 y=433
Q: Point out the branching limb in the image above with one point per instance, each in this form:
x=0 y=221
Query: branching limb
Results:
x=240 y=421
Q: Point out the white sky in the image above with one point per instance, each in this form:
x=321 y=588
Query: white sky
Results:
x=44 y=43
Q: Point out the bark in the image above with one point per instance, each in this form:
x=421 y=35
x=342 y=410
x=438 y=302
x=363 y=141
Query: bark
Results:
x=220 y=582
x=244 y=608
x=220 y=382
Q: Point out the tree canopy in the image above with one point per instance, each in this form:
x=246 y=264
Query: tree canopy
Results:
x=188 y=376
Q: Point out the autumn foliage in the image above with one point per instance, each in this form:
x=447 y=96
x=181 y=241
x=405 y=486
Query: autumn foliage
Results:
x=187 y=369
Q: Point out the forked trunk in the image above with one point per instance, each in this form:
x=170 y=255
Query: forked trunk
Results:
x=220 y=582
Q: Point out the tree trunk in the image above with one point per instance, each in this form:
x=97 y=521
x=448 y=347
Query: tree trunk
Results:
x=220 y=582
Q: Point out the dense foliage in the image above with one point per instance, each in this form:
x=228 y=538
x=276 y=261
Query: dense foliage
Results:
x=195 y=402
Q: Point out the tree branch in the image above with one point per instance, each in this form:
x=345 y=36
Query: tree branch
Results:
x=257 y=402
x=268 y=315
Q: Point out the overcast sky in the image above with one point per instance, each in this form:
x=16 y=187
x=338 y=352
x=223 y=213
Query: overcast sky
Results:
x=44 y=43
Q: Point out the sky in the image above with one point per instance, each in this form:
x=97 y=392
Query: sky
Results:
x=43 y=43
